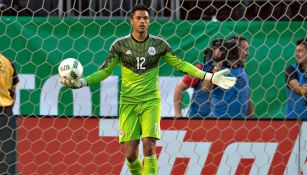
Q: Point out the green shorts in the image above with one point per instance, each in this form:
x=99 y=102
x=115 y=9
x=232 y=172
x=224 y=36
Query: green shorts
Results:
x=136 y=120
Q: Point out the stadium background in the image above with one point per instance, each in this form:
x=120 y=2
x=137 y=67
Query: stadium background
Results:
x=38 y=45
x=38 y=35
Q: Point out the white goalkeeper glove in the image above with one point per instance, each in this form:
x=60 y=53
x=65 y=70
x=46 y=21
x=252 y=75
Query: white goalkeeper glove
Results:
x=220 y=80
x=73 y=84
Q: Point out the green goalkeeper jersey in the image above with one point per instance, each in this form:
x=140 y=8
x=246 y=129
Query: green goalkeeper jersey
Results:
x=139 y=64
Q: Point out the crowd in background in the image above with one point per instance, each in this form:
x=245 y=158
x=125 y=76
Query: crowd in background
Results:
x=180 y=9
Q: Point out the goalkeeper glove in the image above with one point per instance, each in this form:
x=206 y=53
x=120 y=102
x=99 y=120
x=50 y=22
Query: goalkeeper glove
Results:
x=73 y=84
x=220 y=80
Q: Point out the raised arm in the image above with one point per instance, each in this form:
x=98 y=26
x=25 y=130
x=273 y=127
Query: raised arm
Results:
x=105 y=71
x=183 y=66
x=217 y=78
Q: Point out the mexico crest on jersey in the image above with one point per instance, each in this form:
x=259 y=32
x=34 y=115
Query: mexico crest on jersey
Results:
x=151 y=51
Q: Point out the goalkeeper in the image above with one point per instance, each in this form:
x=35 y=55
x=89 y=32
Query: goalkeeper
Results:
x=139 y=54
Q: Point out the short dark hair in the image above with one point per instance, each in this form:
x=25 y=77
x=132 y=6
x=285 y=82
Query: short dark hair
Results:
x=302 y=41
x=139 y=7
x=229 y=50
x=239 y=38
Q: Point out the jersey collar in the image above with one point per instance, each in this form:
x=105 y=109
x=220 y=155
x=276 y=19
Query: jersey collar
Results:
x=140 y=41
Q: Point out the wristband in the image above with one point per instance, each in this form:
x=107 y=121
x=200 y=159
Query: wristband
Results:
x=208 y=76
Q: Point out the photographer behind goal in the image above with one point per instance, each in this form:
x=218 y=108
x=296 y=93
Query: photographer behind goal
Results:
x=199 y=106
x=234 y=102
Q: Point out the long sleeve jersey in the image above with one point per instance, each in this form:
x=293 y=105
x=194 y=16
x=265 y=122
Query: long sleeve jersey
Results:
x=139 y=64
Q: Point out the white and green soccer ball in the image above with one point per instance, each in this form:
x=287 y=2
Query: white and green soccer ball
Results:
x=70 y=68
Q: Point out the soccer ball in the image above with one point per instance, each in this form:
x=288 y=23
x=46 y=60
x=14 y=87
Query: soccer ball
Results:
x=70 y=68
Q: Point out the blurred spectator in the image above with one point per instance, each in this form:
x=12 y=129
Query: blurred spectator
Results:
x=296 y=78
x=44 y=8
x=200 y=101
x=187 y=9
x=8 y=122
x=3 y=4
x=200 y=105
x=13 y=8
x=234 y=102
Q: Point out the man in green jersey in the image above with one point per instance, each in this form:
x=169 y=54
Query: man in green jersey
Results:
x=138 y=55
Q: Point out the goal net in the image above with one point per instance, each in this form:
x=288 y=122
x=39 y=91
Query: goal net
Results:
x=63 y=131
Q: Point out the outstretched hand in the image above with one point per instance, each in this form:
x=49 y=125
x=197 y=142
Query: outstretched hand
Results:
x=73 y=84
x=220 y=80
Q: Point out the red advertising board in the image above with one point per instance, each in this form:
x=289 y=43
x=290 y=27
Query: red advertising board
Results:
x=90 y=146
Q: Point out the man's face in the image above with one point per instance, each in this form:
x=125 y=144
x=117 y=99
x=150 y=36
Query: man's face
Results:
x=140 y=21
x=243 y=51
x=301 y=54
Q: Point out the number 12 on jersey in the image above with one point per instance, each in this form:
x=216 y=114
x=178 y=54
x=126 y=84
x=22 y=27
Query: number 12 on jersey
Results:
x=140 y=61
